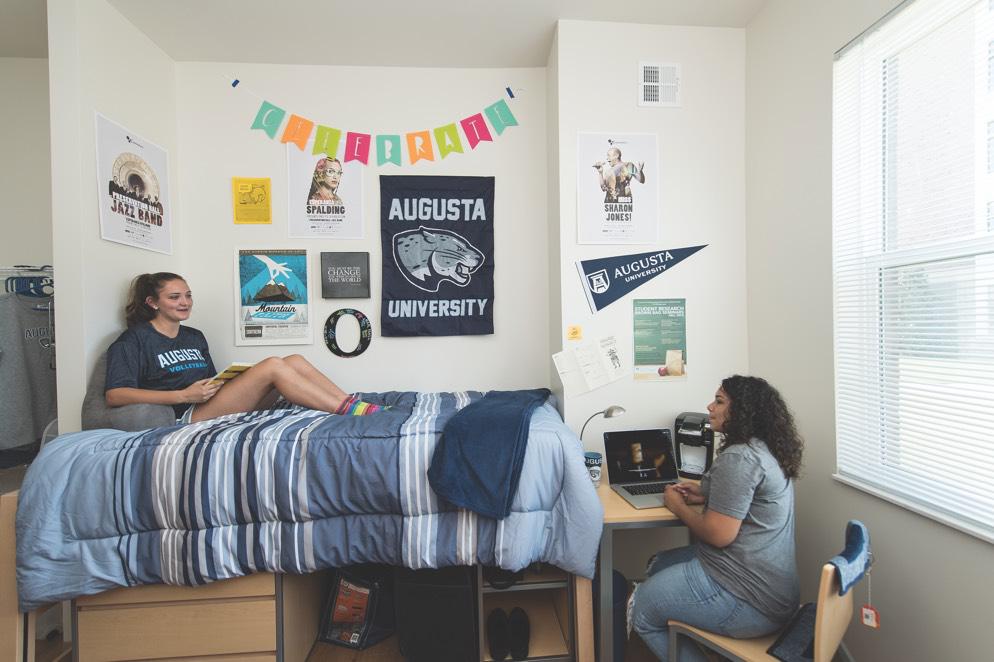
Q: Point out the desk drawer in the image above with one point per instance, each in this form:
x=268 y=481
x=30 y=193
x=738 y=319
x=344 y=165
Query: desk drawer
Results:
x=177 y=629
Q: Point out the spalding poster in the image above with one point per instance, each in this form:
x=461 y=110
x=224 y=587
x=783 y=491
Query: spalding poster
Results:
x=437 y=235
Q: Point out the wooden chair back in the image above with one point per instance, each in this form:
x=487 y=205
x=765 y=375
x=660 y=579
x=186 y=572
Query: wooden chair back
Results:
x=833 y=615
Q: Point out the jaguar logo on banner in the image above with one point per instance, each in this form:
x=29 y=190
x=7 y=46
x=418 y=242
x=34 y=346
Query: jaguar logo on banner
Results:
x=607 y=279
x=427 y=257
x=437 y=240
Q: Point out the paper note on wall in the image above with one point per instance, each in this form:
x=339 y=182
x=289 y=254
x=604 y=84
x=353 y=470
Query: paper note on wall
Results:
x=589 y=365
x=250 y=199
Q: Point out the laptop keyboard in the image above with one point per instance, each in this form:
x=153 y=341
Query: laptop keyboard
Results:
x=648 y=488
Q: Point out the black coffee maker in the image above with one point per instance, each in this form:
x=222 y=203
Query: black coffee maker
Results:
x=694 y=442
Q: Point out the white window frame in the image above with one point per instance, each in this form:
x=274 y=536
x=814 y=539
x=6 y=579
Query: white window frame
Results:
x=877 y=450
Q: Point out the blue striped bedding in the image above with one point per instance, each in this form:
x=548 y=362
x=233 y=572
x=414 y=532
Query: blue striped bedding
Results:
x=286 y=490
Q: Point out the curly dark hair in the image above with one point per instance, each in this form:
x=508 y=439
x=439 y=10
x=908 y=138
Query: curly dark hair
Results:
x=142 y=287
x=756 y=409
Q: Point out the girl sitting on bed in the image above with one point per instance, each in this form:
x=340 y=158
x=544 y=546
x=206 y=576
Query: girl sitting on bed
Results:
x=159 y=361
x=740 y=578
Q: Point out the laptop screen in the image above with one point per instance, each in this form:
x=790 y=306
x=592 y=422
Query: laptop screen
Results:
x=639 y=456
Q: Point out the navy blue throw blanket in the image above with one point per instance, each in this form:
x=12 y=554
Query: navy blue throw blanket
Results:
x=477 y=462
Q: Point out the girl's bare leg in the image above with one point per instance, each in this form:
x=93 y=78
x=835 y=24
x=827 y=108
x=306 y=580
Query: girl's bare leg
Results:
x=268 y=400
x=250 y=389
x=312 y=374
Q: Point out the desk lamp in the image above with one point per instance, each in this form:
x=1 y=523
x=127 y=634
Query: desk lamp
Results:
x=610 y=412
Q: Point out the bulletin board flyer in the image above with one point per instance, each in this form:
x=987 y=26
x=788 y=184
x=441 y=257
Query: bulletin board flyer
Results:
x=660 y=337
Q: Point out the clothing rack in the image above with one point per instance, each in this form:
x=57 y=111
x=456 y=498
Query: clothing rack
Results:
x=27 y=360
x=28 y=280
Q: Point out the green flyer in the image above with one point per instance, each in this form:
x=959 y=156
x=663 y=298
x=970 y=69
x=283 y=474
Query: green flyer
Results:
x=660 y=336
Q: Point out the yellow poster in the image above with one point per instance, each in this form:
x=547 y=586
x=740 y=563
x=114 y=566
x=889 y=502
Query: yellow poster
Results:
x=250 y=198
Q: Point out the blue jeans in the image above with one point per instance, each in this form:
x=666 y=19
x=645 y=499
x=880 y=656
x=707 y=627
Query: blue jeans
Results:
x=679 y=588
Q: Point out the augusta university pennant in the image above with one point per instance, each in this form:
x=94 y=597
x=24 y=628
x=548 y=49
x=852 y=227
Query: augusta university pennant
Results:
x=437 y=236
x=607 y=279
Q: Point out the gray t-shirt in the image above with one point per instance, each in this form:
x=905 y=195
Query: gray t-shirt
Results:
x=27 y=369
x=747 y=483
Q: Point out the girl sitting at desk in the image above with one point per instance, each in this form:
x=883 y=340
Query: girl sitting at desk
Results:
x=739 y=579
x=159 y=361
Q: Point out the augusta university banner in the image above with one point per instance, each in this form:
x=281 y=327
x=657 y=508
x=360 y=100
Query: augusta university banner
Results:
x=607 y=279
x=437 y=236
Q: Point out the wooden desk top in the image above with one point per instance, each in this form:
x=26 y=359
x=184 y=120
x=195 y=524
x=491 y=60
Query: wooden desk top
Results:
x=618 y=511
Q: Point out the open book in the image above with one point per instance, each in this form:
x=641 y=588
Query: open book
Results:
x=232 y=371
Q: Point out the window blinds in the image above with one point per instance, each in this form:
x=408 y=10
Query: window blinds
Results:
x=913 y=261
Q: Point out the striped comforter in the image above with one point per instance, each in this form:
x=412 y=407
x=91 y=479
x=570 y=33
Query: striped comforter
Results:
x=288 y=490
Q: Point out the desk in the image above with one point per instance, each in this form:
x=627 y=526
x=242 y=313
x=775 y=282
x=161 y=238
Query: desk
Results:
x=618 y=514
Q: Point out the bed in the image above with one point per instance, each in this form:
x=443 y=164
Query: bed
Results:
x=288 y=490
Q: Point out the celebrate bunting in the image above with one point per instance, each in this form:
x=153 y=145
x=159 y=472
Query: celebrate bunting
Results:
x=422 y=145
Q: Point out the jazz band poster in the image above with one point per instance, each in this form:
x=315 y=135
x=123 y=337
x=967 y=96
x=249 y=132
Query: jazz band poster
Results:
x=133 y=188
x=617 y=188
x=273 y=305
x=324 y=195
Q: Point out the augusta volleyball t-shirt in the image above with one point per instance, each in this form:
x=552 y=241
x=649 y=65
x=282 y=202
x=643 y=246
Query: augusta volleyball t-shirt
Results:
x=141 y=357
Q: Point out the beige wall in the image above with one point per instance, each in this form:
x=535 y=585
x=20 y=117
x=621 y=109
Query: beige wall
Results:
x=931 y=584
x=25 y=173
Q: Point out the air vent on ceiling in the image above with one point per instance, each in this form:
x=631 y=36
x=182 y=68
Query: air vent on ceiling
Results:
x=659 y=84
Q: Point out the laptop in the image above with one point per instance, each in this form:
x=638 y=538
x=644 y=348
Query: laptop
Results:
x=640 y=464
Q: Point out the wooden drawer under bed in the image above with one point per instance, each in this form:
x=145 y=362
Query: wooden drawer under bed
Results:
x=258 y=617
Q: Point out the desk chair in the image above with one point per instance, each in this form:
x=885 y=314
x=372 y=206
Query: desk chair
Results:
x=831 y=619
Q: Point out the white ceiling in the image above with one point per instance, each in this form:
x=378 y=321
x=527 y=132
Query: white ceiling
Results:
x=416 y=33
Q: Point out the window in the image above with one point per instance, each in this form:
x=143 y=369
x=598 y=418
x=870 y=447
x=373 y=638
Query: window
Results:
x=913 y=261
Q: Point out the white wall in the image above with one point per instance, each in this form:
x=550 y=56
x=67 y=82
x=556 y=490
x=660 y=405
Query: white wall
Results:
x=931 y=584
x=130 y=80
x=702 y=201
x=554 y=331
x=216 y=143
x=98 y=61
x=25 y=175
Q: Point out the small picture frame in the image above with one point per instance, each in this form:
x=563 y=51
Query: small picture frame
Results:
x=345 y=275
